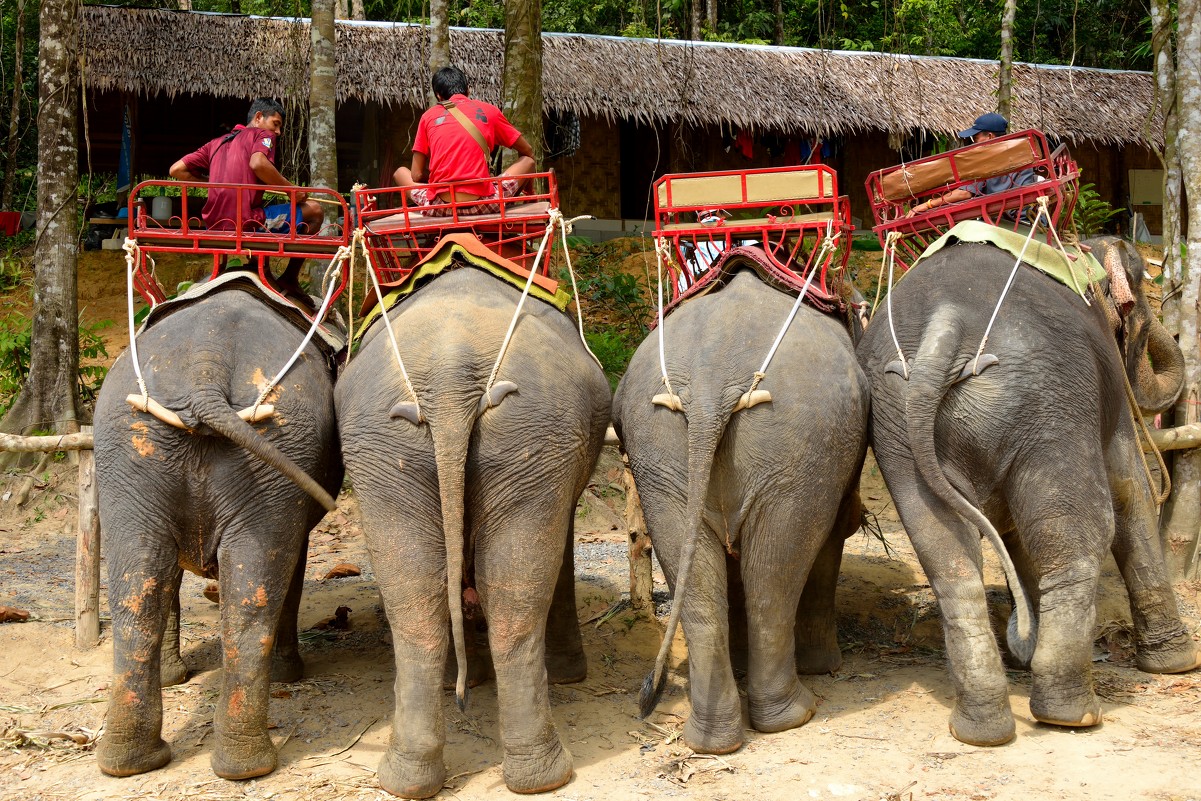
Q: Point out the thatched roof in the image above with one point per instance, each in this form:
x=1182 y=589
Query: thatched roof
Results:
x=152 y=51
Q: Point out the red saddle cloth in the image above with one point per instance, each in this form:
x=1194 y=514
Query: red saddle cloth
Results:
x=754 y=258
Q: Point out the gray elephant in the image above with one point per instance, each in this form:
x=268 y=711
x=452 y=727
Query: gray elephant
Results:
x=224 y=498
x=753 y=488
x=468 y=488
x=1036 y=446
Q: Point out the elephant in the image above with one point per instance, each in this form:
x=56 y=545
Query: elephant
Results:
x=224 y=498
x=757 y=488
x=468 y=489
x=1033 y=446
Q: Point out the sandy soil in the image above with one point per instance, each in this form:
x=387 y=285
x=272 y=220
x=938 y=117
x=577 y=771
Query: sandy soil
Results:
x=880 y=731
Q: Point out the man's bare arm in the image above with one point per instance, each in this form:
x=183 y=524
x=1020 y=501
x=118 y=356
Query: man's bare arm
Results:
x=180 y=172
x=525 y=158
x=266 y=172
x=420 y=168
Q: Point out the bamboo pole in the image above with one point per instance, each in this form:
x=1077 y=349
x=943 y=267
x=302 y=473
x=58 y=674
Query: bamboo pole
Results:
x=1176 y=439
x=87 y=555
x=47 y=444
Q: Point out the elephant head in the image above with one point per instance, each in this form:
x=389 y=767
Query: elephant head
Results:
x=1152 y=359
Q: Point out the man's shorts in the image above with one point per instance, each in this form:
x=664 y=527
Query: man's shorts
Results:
x=484 y=205
x=277 y=218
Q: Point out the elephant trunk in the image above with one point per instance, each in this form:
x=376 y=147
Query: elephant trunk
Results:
x=705 y=428
x=451 y=438
x=1156 y=381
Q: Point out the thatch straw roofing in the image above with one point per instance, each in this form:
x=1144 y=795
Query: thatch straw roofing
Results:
x=153 y=51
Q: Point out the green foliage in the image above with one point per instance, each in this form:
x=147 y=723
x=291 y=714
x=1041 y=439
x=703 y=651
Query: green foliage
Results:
x=621 y=295
x=1092 y=214
x=16 y=333
x=12 y=271
x=614 y=350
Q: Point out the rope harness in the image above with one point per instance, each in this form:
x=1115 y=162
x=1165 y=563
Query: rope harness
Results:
x=345 y=256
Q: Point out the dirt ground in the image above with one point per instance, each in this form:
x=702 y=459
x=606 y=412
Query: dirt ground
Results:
x=880 y=731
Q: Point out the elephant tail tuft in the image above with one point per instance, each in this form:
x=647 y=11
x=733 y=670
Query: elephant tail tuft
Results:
x=212 y=409
x=936 y=367
x=705 y=430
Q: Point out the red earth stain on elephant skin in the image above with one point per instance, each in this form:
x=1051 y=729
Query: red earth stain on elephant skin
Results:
x=141 y=441
x=267 y=643
x=237 y=701
x=259 y=599
x=259 y=380
x=134 y=602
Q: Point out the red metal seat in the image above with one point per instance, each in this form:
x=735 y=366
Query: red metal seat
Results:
x=787 y=211
x=184 y=233
x=893 y=191
x=399 y=233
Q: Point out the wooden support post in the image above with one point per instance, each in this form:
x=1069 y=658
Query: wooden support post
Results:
x=641 y=579
x=1180 y=438
x=87 y=555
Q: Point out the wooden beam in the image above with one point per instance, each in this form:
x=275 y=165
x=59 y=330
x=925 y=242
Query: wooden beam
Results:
x=87 y=554
x=1176 y=439
x=50 y=444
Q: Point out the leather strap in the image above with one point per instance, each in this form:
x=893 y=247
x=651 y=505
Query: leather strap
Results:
x=468 y=126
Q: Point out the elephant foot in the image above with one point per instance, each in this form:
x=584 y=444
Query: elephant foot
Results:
x=789 y=712
x=287 y=668
x=1177 y=655
x=411 y=778
x=992 y=729
x=566 y=668
x=1080 y=712
x=244 y=757
x=538 y=771
x=814 y=660
x=725 y=739
x=172 y=670
x=120 y=756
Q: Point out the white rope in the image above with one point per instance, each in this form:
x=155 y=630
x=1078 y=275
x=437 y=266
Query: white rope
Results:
x=340 y=255
x=1080 y=290
x=379 y=296
x=131 y=251
x=828 y=247
x=890 y=251
x=556 y=216
x=1042 y=209
x=661 y=251
x=565 y=227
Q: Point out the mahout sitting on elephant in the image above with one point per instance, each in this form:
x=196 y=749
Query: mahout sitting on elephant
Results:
x=217 y=495
x=755 y=485
x=468 y=469
x=1030 y=441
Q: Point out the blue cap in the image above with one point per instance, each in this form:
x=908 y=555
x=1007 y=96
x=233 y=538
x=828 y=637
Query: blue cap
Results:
x=991 y=122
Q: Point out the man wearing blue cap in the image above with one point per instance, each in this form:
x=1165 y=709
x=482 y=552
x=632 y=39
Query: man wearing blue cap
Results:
x=986 y=127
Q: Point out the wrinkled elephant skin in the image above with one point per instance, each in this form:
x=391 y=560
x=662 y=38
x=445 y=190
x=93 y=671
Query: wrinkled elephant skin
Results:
x=172 y=500
x=749 y=498
x=468 y=486
x=1040 y=449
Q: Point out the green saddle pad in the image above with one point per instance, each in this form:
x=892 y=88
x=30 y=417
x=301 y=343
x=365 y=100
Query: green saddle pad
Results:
x=1076 y=275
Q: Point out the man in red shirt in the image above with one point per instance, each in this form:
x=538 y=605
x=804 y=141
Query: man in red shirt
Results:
x=246 y=155
x=453 y=143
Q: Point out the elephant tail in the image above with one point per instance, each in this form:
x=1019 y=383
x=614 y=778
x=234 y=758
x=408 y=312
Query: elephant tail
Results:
x=705 y=429
x=451 y=438
x=936 y=367
x=212 y=409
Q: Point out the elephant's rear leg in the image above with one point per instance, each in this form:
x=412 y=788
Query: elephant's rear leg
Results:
x=773 y=575
x=949 y=551
x=1164 y=644
x=516 y=579
x=286 y=663
x=565 y=660
x=816 y=632
x=141 y=580
x=172 y=669
x=1064 y=535
x=254 y=583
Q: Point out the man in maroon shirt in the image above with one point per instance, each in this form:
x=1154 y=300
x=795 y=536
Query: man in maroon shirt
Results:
x=452 y=146
x=246 y=155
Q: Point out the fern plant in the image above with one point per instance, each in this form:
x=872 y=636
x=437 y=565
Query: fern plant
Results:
x=1092 y=214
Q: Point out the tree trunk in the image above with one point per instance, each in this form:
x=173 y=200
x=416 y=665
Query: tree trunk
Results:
x=14 y=117
x=1005 y=79
x=779 y=22
x=323 y=151
x=440 y=35
x=185 y=5
x=341 y=9
x=356 y=10
x=1182 y=519
x=711 y=14
x=694 y=21
x=523 y=70
x=49 y=399
x=1163 y=51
